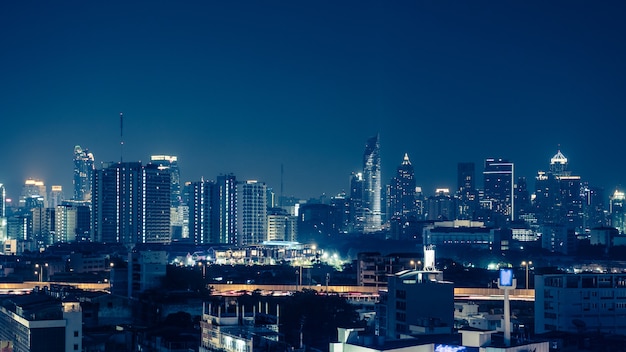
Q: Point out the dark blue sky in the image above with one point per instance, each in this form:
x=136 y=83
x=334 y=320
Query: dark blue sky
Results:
x=245 y=86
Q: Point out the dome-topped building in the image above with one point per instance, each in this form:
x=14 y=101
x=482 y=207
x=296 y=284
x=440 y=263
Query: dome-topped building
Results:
x=558 y=164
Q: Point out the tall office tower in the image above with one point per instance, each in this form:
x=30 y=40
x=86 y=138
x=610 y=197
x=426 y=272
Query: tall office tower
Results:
x=341 y=209
x=155 y=208
x=224 y=209
x=522 y=197
x=171 y=163
x=3 y=201
x=43 y=225
x=281 y=226
x=499 y=187
x=357 y=218
x=131 y=204
x=3 y=213
x=200 y=196
x=594 y=207
x=34 y=189
x=441 y=206
x=466 y=190
x=372 y=186
x=83 y=173
x=252 y=209
x=617 y=211
x=558 y=197
x=401 y=194
x=56 y=196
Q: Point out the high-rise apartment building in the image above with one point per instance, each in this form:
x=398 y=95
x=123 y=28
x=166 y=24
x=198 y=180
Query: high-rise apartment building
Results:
x=224 y=209
x=200 y=214
x=499 y=187
x=131 y=204
x=401 y=194
x=357 y=218
x=372 y=186
x=83 y=173
x=252 y=206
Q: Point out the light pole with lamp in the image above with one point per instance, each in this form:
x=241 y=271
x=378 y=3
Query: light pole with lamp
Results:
x=527 y=264
x=415 y=264
x=40 y=270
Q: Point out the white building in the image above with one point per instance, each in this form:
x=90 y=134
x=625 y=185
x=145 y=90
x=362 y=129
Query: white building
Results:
x=577 y=303
x=252 y=209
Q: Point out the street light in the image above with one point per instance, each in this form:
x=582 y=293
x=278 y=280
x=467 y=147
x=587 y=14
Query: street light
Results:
x=40 y=270
x=525 y=264
x=415 y=264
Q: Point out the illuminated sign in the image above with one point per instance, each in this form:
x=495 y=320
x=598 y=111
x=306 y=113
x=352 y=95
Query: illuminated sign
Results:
x=506 y=277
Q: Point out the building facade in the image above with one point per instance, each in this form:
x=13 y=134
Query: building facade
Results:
x=578 y=303
x=252 y=220
x=372 y=186
x=83 y=173
x=131 y=204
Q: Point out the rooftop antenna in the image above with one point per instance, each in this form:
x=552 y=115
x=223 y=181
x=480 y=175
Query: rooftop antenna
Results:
x=121 y=137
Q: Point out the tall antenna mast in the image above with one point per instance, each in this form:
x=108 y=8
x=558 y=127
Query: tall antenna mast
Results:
x=121 y=137
x=282 y=171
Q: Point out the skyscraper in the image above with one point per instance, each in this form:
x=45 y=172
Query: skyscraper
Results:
x=34 y=189
x=372 y=186
x=401 y=193
x=224 y=209
x=252 y=209
x=499 y=187
x=131 y=204
x=83 y=173
x=170 y=162
x=558 y=197
x=466 y=190
x=201 y=195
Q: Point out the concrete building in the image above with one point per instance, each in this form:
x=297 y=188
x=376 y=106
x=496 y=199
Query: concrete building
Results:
x=237 y=328
x=252 y=211
x=577 y=303
x=38 y=322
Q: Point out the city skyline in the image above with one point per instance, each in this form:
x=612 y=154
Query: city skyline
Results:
x=251 y=89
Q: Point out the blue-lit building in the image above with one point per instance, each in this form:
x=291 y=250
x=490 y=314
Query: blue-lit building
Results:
x=83 y=173
x=131 y=204
x=372 y=186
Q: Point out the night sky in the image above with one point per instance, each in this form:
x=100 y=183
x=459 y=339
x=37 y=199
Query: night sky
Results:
x=248 y=86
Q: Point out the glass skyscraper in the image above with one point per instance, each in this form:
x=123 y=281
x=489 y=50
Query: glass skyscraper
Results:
x=83 y=173
x=372 y=185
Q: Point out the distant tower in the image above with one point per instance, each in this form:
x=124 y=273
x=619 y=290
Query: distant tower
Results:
x=618 y=210
x=558 y=197
x=56 y=196
x=372 y=186
x=34 y=189
x=466 y=190
x=499 y=186
x=83 y=173
x=402 y=191
x=170 y=162
x=252 y=209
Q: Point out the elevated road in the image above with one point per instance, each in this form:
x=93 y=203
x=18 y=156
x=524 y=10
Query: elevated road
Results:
x=460 y=293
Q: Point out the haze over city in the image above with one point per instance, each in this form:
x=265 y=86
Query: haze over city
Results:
x=247 y=87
